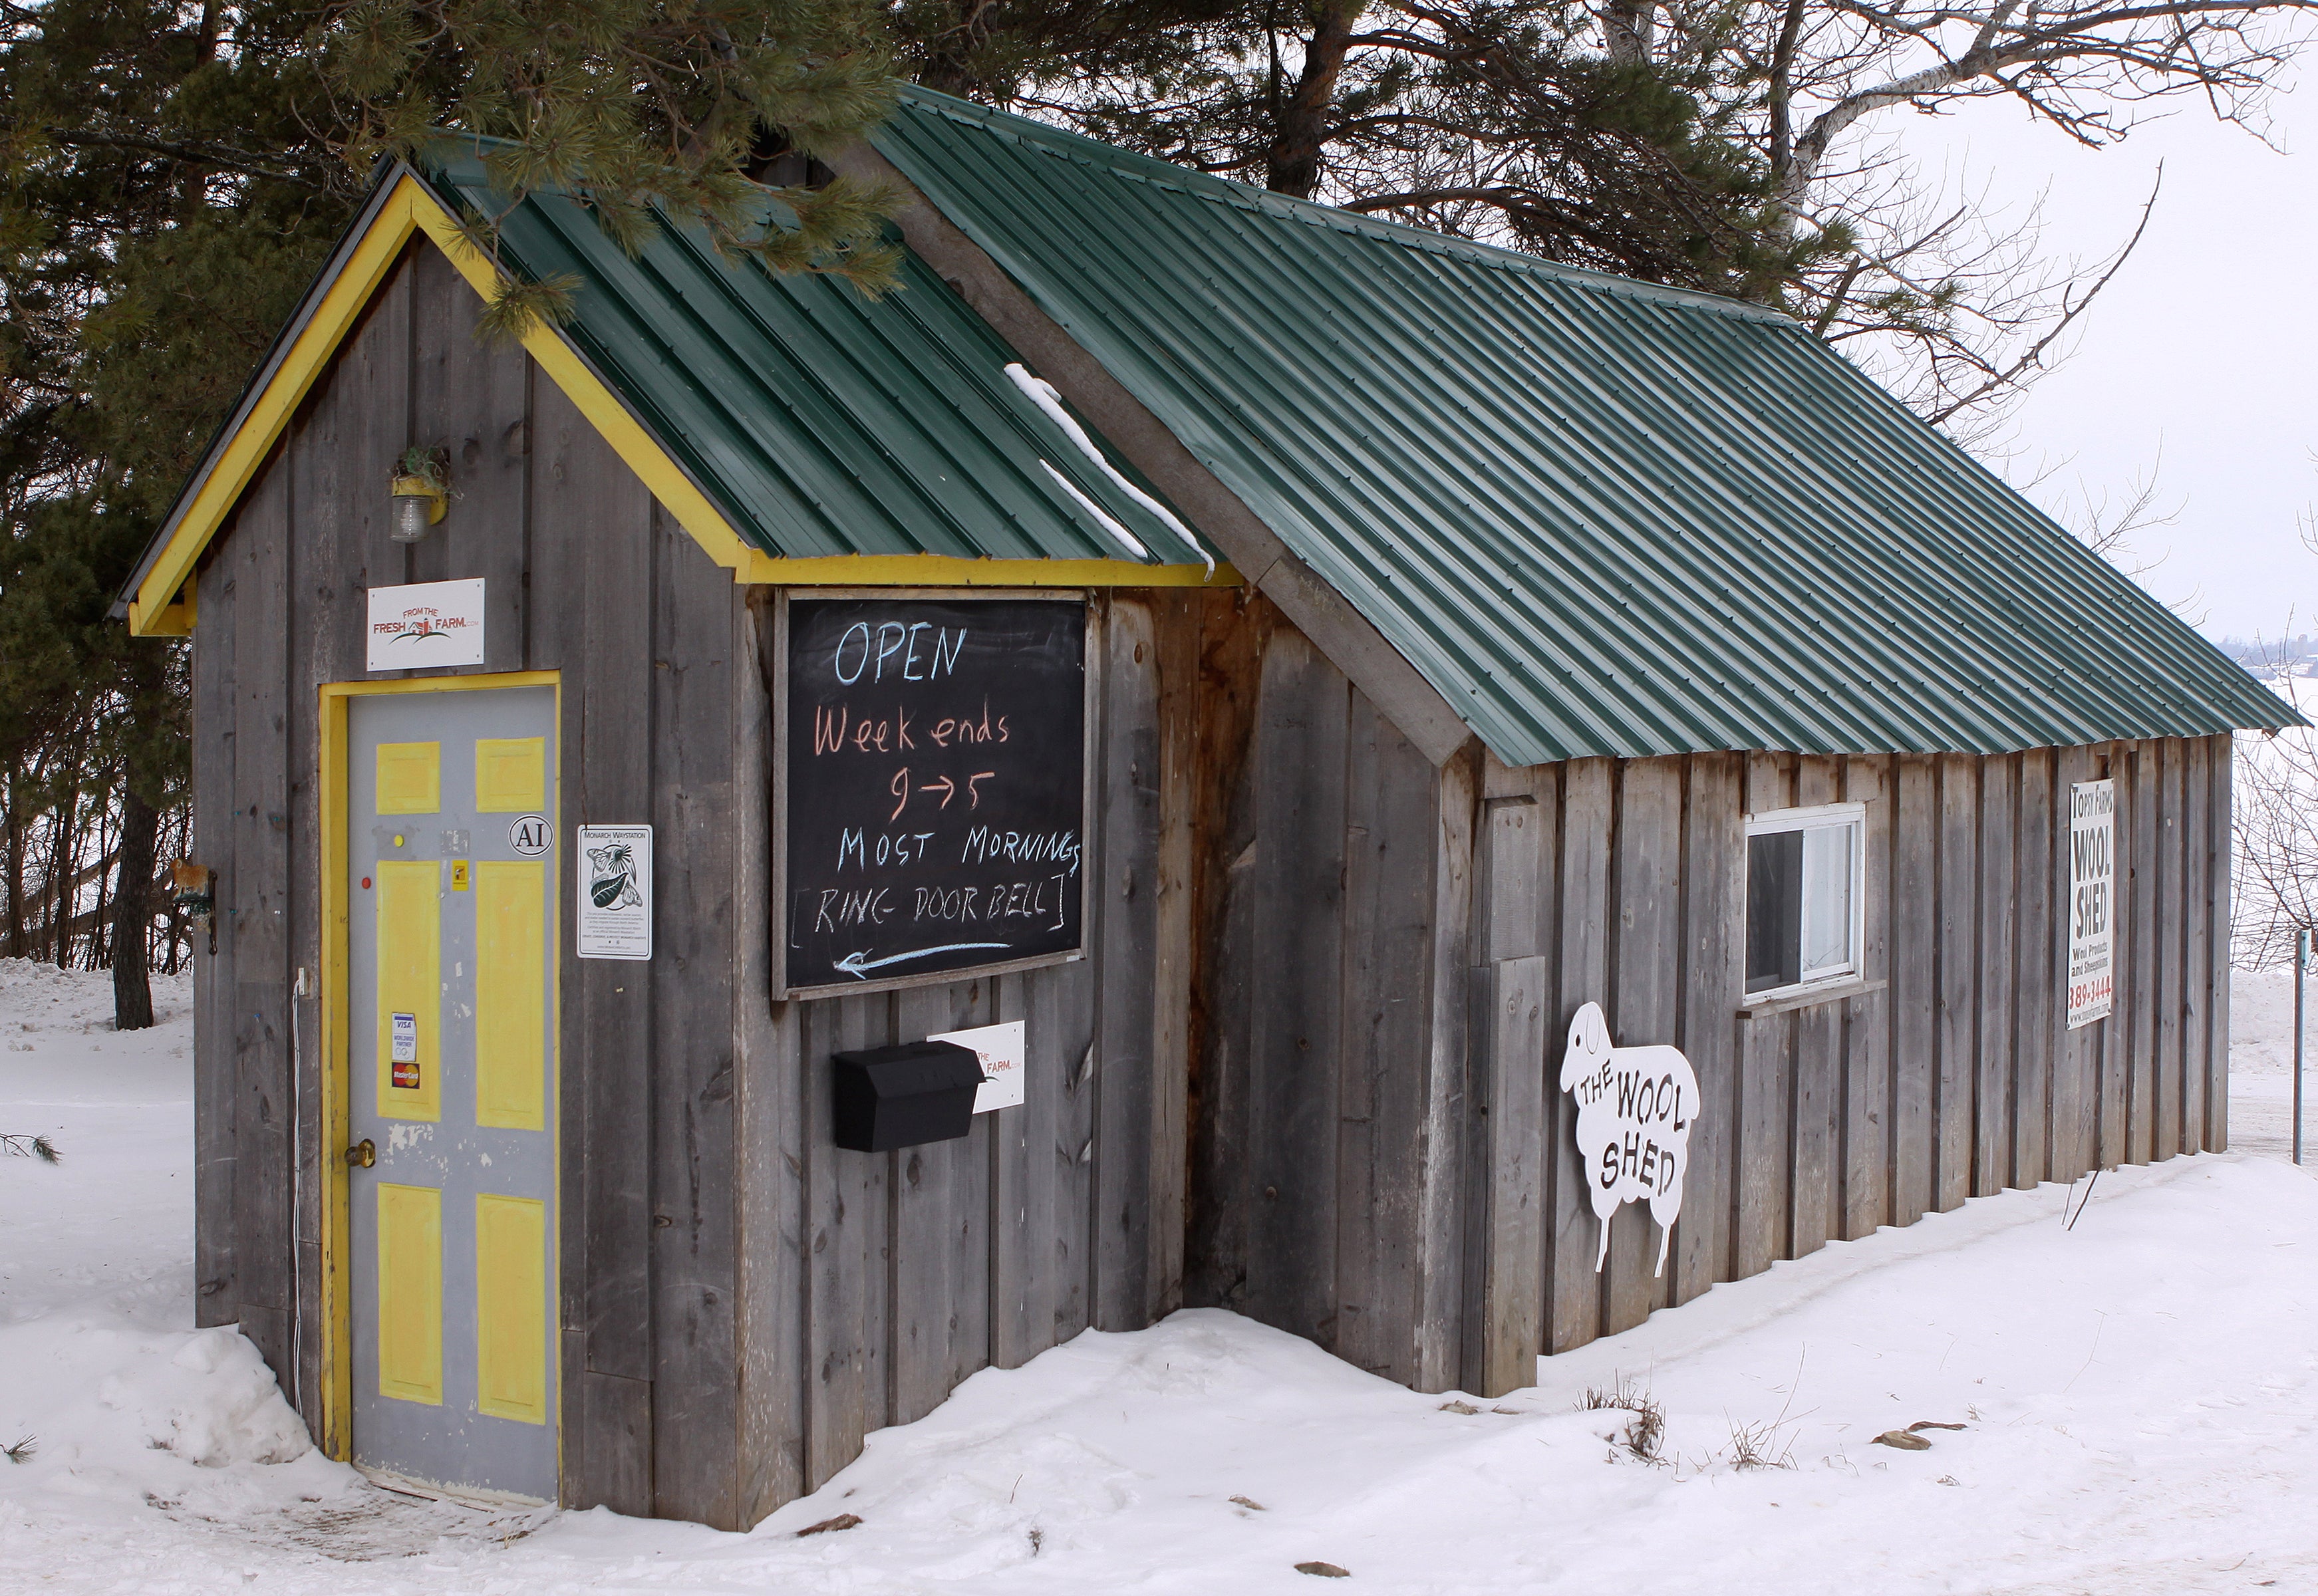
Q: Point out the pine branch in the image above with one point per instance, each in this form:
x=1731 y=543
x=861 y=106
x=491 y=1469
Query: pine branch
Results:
x=30 y=1146
x=221 y=157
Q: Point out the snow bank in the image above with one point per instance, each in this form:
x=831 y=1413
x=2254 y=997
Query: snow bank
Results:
x=120 y=1413
x=112 y=1227
x=2135 y=1398
x=2138 y=1398
x=101 y=1395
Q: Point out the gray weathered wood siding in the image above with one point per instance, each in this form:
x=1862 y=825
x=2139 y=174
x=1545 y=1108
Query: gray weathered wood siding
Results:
x=1391 y=954
x=1330 y=1129
x=873 y=1283
x=1307 y=1071
x=741 y=1301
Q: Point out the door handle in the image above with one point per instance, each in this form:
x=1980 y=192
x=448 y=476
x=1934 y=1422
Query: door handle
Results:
x=362 y=1154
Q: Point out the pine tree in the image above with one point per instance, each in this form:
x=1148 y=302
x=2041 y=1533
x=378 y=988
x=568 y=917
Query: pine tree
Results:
x=639 y=106
x=1512 y=121
x=171 y=176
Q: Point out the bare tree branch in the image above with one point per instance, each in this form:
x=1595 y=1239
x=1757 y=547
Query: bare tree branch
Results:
x=2075 y=302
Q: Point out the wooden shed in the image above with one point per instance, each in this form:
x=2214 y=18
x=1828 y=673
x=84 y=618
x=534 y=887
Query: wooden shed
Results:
x=1307 y=661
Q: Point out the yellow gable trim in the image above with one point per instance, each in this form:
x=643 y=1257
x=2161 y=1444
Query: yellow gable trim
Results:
x=676 y=491
x=164 y=603
x=247 y=450
x=409 y=209
x=175 y=620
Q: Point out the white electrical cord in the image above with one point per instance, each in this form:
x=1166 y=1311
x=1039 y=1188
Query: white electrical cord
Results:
x=297 y=1167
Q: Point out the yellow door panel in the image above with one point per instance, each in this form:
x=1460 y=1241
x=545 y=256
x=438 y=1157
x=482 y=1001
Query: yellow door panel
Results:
x=410 y=1292
x=409 y=777
x=510 y=775
x=511 y=1307
x=511 y=993
x=410 y=989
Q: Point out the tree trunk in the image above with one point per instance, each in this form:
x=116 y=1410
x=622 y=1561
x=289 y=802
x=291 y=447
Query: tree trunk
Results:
x=1630 y=29
x=1299 y=135
x=133 y=991
x=95 y=956
x=14 y=946
x=948 y=65
x=63 y=856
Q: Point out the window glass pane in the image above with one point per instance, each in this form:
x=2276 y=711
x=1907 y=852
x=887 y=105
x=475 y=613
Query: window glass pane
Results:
x=1774 y=894
x=1826 y=898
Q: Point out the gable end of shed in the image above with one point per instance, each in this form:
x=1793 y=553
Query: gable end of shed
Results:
x=164 y=603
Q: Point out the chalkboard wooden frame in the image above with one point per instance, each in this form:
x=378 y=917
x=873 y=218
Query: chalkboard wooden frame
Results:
x=1090 y=774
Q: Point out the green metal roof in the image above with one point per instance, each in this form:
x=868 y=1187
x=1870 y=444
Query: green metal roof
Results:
x=821 y=422
x=1600 y=516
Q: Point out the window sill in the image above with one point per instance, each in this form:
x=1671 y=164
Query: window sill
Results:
x=1834 y=991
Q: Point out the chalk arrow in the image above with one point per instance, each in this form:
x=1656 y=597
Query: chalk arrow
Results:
x=859 y=964
x=948 y=789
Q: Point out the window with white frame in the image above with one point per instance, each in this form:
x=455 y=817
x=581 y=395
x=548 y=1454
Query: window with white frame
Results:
x=1806 y=879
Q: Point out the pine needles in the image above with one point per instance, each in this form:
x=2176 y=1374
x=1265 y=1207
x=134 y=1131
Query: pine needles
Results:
x=30 y=1146
x=679 y=111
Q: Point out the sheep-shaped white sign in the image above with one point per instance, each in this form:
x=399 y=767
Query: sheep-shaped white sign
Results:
x=1635 y=1106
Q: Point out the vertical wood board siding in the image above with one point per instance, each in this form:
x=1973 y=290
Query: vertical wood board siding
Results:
x=741 y=1302
x=1946 y=1071
x=1308 y=1071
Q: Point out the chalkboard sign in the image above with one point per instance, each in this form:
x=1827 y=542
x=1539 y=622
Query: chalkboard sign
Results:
x=936 y=788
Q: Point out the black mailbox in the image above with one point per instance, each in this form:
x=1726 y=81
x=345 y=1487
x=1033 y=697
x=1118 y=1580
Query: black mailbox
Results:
x=902 y=1097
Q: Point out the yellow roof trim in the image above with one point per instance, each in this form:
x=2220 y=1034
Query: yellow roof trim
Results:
x=944 y=570
x=263 y=424
x=164 y=603
x=175 y=618
x=677 y=492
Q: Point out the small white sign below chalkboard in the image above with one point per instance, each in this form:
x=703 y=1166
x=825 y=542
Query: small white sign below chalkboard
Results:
x=424 y=623
x=1004 y=1050
x=616 y=892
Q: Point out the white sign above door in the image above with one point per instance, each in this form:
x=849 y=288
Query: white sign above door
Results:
x=424 y=623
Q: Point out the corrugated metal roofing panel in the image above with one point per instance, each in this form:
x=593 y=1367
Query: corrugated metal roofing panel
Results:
x=821 y=422
x=1600 y=516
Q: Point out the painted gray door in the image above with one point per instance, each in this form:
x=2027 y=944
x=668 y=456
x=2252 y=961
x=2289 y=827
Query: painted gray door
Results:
x=450 y=1078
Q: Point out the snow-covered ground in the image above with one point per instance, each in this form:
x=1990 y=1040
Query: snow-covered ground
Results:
x=2138 y=1398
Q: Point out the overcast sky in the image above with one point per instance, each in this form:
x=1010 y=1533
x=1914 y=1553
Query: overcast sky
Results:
x=2201 y=354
